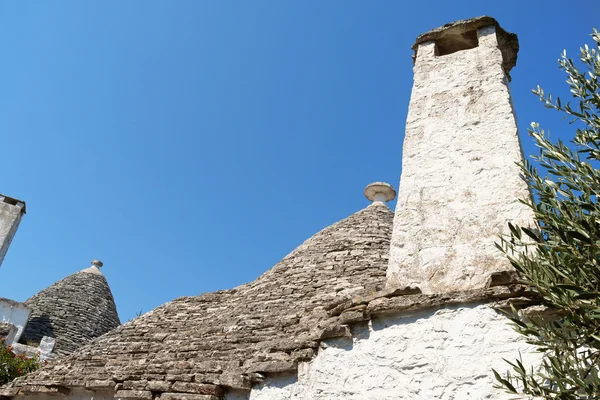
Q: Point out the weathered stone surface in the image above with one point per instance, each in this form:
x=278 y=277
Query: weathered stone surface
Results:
x=333 y=331
x=230 y=337
x=187 y=396
x=134 y=394
x=502 y=278
x=179 y=377
x=46 y=390
x=135 y=385
x=11 y=213
x=273 y=366
x=74 y=311
x=198 y=388
x=8 y=391
x=395 y=305
x=106 y=384
x=233 y=381
x=353 y=316
x=460 y=184
x=425 y=337
x=7 y=332
x=457 y=33
x=159 y=386
x=375 y=306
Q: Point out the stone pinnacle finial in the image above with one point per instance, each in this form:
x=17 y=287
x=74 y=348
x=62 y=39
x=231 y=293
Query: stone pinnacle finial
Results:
x=380 y=192
x=97 y=263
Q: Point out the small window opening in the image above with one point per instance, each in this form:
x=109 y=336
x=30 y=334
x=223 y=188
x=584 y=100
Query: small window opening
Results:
x=451 y=43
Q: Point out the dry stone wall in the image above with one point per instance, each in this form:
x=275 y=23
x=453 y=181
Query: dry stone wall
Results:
x=198 y=346
x=74 y=311
x=386 y=345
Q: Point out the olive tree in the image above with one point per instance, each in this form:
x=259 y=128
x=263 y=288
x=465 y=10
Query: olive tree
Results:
x=560 y=258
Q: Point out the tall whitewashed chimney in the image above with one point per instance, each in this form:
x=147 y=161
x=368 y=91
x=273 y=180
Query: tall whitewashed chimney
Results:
x=11 y=212
x=459 y=186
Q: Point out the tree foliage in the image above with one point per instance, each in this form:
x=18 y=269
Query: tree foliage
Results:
x=560 y=258
x=12 y=365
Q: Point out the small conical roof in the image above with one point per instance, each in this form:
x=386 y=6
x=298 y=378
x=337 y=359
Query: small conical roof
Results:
x=223 y=338
x=74 y=311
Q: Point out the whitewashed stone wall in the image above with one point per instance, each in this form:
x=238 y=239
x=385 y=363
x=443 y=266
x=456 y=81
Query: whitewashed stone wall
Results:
x=460 y=185
x=445 y=354
x=15 y=313
x=10 y=218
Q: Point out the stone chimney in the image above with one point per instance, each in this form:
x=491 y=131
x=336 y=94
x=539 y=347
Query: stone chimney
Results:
x=11 y=212
x=460 y=185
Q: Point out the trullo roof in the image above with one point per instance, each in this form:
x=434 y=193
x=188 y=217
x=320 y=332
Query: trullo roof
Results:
x=74 y=311
x=230 y=338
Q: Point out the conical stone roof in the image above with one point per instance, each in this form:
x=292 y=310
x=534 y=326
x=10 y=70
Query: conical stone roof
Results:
x=229 y=338
x=74 y=311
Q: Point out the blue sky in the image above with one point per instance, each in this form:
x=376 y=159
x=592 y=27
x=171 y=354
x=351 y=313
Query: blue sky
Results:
x=191 y=145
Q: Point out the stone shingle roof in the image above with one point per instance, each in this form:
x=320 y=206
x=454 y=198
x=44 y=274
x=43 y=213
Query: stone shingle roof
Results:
x=74 y=311
x=229 y=338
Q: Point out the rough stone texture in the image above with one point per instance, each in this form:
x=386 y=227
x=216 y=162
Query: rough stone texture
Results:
x=459 y=35
x=329 y=294
x=7 y=332
x=14 y=313
x=140 y=375
x=11 y=212
x=460 y=185
x=73 y=311
x=442 y=354
x=231 y=338
x=77 y=394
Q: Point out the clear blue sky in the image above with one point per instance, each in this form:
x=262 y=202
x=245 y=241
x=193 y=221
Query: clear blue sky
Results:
x=191 y=145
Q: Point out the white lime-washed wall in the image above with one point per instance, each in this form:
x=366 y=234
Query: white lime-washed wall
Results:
x=444 y=354
x=14 y=313
x=460 y=186
x=11 y=212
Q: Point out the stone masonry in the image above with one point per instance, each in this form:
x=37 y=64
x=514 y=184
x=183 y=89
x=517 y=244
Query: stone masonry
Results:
x=11 y=212
x=460 y=185
x=231 y=338
x=73 y=311
x=327 y=322
x=221 y=344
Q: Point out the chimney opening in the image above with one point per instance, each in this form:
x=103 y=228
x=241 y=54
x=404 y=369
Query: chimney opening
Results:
x=453 y=42
x=10 y=200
